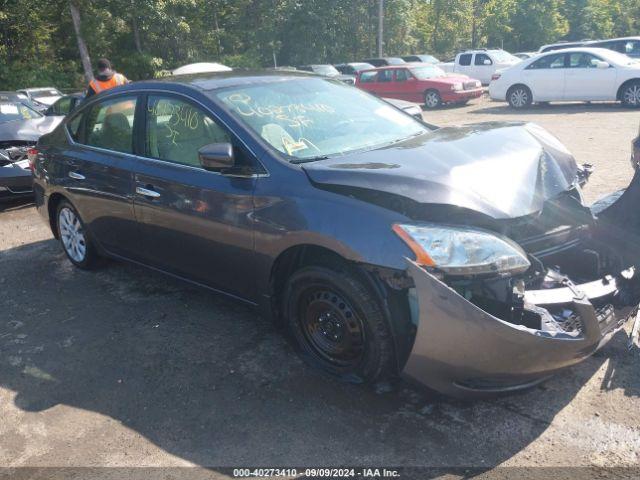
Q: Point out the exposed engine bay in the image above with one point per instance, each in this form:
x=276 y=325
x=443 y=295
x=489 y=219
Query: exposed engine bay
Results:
x=564 y=250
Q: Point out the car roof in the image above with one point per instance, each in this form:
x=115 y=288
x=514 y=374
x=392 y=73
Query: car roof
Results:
x=613 y=39
x=600 y=50
x=217 y=80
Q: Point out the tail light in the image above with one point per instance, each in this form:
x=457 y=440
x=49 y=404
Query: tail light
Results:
x=495 y=77
x=32 y=154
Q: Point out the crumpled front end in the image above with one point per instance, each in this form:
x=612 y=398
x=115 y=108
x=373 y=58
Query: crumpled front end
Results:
x=480 y=336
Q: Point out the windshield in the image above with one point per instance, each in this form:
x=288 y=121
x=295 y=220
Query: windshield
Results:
x=425 y=73
x=395 y=61
x=328 y=70
x=10 y=111
x=501 y=56
x=46 y=93
x=315 y=118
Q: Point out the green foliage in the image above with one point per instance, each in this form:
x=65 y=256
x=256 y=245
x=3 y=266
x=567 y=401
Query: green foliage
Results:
x=144 y=38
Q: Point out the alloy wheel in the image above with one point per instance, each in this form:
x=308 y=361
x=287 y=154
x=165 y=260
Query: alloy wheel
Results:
x=519 y=98
x=632 y=95
x=431 y=99
x=72 y=235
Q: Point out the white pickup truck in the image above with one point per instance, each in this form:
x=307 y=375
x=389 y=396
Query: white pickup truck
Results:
x=480 y=64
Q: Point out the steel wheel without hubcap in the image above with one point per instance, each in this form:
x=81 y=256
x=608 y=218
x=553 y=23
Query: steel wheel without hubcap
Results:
x=331 y=328
x=631 y=95
x=432 y=99
x=72 y=235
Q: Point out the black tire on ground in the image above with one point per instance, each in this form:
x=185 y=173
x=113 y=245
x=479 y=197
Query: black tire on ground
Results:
x=519 y=96
x=630 y=94
x=337 y=324
x=432 y=99
x=76 y=241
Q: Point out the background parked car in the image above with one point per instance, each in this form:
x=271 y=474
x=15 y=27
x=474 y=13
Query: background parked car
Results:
x=560 y=46
x=421 y=59
x=576 y=74
x=353 y=67
x=42 y=98
x=328 y=71
x=425 y=84
x=525 y=55
x=628 y=45
x=20 y=128
x=384 y=61
x=64 y=105
x=480 y=64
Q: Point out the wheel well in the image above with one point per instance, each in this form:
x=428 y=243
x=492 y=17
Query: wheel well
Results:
x=52 y=208
x=395 y=301
x=519 y=85
x=622 y=87
x=293 y=259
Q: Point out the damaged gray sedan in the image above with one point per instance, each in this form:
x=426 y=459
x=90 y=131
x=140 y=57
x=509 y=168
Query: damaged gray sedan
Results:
x=464 y=258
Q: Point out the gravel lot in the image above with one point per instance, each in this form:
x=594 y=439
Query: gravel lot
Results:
x=125 y=367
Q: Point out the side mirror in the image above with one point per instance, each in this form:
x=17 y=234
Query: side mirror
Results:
x=487 y=61
x=601 y=64
x=216 y=156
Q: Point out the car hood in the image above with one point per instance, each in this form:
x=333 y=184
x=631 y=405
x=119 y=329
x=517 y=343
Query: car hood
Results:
x=27 y=130
x=504 y=170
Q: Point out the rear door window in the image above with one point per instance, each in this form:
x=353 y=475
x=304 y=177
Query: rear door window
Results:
x=177 y=129
x=465 y=59
x=109 y=125
x=550 y=61
x=402 y=75
x=385 y=76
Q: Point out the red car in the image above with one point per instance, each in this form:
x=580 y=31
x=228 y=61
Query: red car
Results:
x=420 y=83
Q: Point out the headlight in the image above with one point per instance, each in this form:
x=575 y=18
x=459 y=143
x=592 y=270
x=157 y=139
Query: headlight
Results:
x=456 y=87
x=461 y=250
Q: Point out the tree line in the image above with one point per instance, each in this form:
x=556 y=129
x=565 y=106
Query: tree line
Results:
x=41 y=40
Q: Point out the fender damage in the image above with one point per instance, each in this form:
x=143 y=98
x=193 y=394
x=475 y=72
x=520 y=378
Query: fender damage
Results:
x=464 y=348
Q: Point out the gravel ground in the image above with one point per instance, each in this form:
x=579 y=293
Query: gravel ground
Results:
x=125 y=367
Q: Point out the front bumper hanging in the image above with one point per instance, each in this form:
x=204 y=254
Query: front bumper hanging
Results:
x=461 y=350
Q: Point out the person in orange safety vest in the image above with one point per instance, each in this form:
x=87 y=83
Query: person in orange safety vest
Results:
x=105 y=79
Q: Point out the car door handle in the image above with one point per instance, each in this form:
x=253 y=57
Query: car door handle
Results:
x=145 y=192
x=76 y=176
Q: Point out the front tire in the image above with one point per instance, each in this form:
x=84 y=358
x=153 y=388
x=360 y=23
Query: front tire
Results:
x=630 y=95
x=338 y=324
x=519 y=96
x=76 y=242
x=432 y=99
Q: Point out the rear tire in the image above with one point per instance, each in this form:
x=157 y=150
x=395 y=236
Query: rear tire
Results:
x=338 y=325
x=432 y=99
x=76 y=241
x=519 y=96
x=630 y=95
